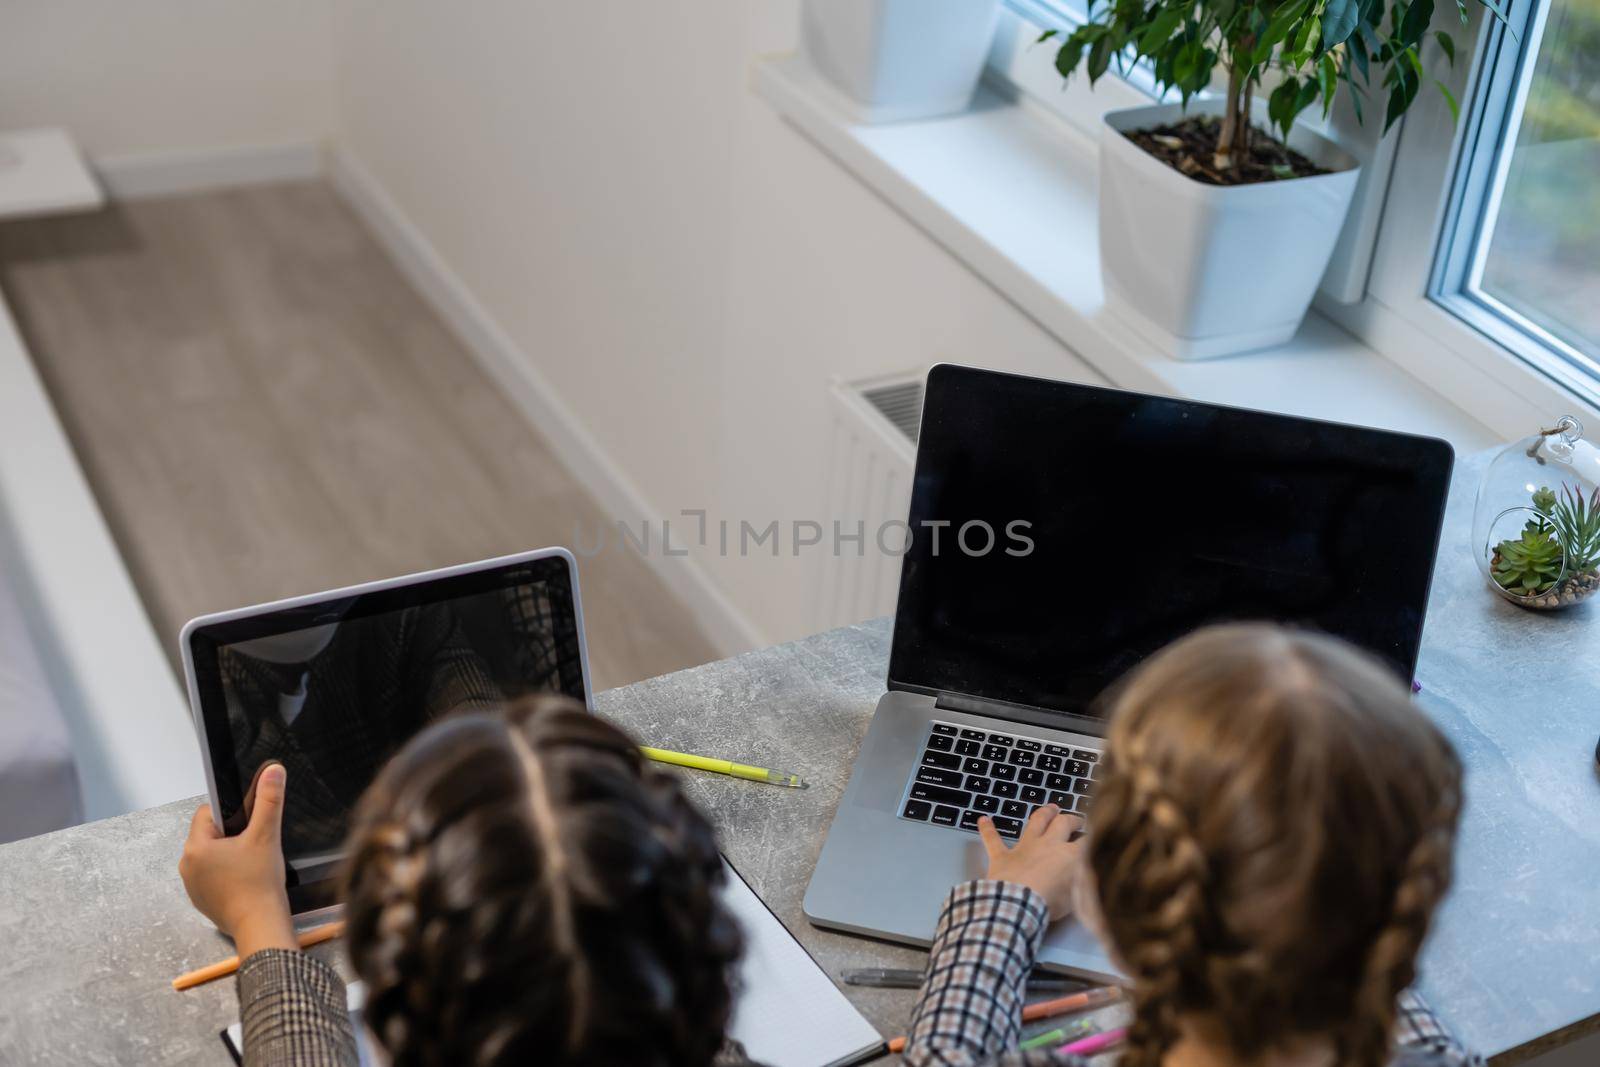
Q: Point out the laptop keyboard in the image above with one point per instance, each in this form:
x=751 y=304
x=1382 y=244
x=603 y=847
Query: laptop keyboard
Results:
x=966 y=773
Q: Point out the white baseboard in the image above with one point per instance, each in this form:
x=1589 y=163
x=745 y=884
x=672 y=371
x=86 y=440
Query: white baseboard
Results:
x=729 y=630
x=146 y=174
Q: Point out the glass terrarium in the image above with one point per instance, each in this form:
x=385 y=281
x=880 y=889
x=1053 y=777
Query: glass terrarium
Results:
x=1536 y=526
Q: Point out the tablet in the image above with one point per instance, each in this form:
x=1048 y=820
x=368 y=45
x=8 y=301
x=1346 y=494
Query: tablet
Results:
x=333 y=684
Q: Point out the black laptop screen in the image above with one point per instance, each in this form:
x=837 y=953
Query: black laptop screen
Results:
x=334 y=688
x=1122 y=522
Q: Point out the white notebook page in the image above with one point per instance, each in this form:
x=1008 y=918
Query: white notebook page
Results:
x=789 y=1013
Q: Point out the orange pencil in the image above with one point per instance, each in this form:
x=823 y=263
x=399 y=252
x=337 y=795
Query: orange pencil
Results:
x=314 y=936
x=1045 y=1009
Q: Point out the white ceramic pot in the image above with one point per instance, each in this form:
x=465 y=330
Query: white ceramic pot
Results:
x=900 y=59
x=1208 y=270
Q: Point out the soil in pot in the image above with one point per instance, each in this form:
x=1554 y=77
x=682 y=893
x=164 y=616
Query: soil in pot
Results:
x=1187 y=146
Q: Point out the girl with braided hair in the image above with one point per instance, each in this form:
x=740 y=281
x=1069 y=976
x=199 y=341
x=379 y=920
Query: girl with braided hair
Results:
x=1271 y=835
x=519 y=887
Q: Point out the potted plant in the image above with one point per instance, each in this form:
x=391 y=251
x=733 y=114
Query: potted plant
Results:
x=1214 y=232
x=900 y=59
x=1555 y=561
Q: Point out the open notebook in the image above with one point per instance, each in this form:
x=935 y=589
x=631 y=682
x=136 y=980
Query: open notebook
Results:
x=788 y=1013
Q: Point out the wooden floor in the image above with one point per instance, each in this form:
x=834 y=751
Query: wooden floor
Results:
x=264 y=407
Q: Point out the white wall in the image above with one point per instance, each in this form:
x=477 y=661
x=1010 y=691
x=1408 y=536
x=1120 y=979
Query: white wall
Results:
x=682 y=267
x=138 y=76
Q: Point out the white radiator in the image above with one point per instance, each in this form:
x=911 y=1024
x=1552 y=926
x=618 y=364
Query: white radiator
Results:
x=872 y=451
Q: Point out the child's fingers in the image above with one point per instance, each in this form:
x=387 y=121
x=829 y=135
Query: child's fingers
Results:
x=993 y=844
x=1040 y=820
x=1063 y=826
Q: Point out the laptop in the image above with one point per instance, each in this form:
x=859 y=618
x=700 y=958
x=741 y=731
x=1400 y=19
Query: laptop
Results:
x=1058 y=535
x=335 y=683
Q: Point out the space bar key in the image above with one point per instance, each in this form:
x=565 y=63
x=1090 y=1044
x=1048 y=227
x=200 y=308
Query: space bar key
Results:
x=959 y=797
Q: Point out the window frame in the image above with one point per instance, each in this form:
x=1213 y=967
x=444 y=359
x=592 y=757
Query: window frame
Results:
x=1405 y=314
x=1511 y=54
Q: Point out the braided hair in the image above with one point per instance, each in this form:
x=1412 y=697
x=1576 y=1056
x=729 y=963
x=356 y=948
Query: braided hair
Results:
x=1272 y=834
x=523 y=887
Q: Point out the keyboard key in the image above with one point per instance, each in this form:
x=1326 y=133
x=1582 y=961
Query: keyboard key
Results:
x=994 y=752
x=1015 y=809
x=1058 y=781
x=944 y=728
x=941 y=743
x=976 y=784
x=1033 y=794
x=1001 y=739
x=1029 y=776
x=1077 y=768
x=1028 y=745
x=1087 y=755
x=1002 y=771
x=1061 y=800
x=1008 y=827
x=1022 y=758
x=934 y=776
x=1082 y=785
x=975 y=766
x=1004 y=789
x=1082 y=805
x=945 y=816
x=967 y=748
x=972 y=735
x=917 y=809
x=986 y=804
x=1094 y=771
x=1048 y=763
x=939 y=794
x=1057 y=750
x=947 y=760
x=969 y=820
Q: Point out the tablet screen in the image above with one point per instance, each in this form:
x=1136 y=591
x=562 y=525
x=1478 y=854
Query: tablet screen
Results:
x=334 y=689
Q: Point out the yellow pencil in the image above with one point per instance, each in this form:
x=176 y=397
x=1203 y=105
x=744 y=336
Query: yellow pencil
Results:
x=722 y=766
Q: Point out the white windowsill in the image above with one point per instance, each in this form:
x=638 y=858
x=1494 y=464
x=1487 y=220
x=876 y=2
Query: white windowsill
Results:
x=1011 y=193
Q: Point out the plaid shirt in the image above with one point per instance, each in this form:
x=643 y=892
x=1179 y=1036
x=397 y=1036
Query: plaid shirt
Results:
x=970 y=1012
x=292 y=1008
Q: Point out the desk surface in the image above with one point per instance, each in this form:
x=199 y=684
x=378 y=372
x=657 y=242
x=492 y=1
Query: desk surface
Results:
x=94 y=923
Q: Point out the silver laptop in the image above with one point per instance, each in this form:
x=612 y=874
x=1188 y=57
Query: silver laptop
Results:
x=1059 y=534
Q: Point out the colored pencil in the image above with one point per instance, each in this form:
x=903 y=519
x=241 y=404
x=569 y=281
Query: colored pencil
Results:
x=1047 y=1009
x=1088 y=1046
x=221 y=969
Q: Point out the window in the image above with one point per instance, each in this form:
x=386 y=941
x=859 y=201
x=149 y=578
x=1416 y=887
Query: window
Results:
x=1051 y=14
x=1519 y=257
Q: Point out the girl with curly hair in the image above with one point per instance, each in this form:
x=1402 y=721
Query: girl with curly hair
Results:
x=1271 y=836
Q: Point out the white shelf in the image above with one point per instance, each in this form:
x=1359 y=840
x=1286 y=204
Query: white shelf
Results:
x=1012 y=194
x=42 y=173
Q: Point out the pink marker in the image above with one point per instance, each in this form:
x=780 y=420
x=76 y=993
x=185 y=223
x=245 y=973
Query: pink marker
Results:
x=1093 y=1043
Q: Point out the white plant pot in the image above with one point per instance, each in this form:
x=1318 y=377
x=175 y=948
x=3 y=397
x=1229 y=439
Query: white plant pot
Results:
x=1209 y=270
x=895 y=60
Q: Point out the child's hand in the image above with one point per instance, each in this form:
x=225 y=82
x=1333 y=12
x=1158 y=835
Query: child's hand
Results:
x=237 y=882
x=1043 y=858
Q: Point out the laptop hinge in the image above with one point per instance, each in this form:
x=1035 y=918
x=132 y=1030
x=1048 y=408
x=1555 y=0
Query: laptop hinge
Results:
x=998 y=709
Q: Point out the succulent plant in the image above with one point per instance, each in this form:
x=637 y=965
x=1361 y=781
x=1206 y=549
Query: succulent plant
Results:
x=1528 y=565
x=1577 y=525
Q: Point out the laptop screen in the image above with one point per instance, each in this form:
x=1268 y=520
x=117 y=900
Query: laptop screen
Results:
x=1061 y=533
x=335 y=687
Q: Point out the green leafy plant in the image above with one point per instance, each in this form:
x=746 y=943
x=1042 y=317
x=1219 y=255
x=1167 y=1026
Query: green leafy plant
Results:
x=1312 y=46
x=1577 y=525
x=1529 y=565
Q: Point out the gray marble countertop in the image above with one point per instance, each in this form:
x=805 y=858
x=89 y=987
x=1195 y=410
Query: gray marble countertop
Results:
x=94 y=923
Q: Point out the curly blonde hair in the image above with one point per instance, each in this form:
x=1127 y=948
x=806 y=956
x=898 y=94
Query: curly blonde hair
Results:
x=1272 y=834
